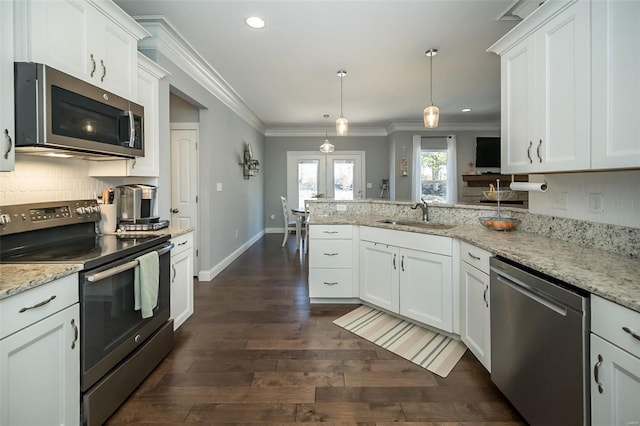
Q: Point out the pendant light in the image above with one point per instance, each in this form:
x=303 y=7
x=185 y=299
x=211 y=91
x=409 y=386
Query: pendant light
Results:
x=326 y=146
x=432 y=112
x=342 y=124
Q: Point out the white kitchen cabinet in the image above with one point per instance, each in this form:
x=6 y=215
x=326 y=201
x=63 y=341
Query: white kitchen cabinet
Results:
x=149 y=75
x=425 y=288
x=332 y=255
x=408 y=273
x=379 y=277
x=615 y=84
x=545 y=69
x=94 y=41
x=40 y=356
x=7 y=126
x=615 y=364
x=475 y=310
x=181 y=279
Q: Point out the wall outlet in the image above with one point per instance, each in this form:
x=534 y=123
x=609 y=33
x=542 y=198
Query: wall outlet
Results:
x=369 y=185
x=341 y=207
x=219 y=186
x=236 y=233
x=273 y=216
x=596 y=203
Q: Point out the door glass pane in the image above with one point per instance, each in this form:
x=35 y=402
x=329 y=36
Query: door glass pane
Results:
x=307 y=180
x=343 y=174
x=433 y=176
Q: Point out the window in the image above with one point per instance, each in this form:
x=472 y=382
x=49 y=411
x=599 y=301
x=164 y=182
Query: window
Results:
x=433 y=175
x=434 y=169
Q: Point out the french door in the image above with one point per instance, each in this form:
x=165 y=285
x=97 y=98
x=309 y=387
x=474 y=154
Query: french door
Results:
x=338 y=176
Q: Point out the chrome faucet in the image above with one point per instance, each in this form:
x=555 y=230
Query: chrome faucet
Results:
x=425 y=209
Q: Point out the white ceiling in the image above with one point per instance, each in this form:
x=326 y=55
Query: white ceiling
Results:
x=286 y=72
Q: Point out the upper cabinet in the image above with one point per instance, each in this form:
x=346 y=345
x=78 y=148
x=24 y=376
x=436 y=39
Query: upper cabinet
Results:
x=545 y=90
x=94 y=41
x=149 y=76
x=615 y=84
x=7 y=126
x=569 y=88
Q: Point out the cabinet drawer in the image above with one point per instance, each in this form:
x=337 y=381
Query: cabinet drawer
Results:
x=331 y=254
x=182 y=243
x=330 y=282
x=64 y=289
x=616 y=324
x=475 y=256
x=330 y=231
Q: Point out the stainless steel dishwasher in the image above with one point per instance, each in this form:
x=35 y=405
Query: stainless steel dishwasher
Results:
x=539 y=345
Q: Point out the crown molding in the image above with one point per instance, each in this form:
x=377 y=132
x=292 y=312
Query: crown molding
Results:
x=166 y=40
x=447 y=126
x=119 y=17
x=285 y=131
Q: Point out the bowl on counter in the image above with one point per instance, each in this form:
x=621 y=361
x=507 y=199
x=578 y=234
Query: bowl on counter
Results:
x=499 y=223
x=498 y=195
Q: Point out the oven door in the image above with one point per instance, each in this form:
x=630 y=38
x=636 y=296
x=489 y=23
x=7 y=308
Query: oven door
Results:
x=111 y=328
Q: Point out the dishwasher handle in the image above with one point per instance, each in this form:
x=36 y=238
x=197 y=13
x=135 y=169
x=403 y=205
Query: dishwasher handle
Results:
x=527 y=290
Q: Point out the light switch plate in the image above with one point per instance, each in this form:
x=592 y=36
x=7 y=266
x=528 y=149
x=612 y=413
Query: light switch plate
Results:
x=219 y=186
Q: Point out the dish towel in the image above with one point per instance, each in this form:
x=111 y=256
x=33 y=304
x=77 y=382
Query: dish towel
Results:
x=146 y=279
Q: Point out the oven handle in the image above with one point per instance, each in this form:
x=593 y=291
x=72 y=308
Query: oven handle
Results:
x=121 y=268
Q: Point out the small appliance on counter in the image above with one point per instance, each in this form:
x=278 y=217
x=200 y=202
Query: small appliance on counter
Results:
x=136 y=207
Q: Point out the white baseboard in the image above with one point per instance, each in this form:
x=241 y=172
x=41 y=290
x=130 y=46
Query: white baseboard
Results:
x=273 y=230
x=213 y=272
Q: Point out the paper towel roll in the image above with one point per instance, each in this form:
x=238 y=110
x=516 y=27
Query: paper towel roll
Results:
x=529 y=186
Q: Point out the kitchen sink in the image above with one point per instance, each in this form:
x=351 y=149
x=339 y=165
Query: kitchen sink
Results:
x=417 y=224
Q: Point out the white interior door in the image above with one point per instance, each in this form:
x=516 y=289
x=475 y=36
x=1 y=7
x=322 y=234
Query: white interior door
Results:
x=184 y=179
x=338 y=175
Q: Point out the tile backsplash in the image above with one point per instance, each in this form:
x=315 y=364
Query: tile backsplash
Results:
x=39 y=179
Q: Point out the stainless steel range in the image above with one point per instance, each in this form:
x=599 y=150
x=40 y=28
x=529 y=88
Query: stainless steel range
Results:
x=118 y=347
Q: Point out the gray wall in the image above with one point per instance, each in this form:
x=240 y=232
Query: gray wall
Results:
x=275 y=166
x=182 y=111
x=223 y=134
x=466 y=145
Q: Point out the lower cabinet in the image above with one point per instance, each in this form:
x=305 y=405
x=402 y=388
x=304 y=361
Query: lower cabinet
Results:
x=331 y=260
x=181 y=279
x=40 y=363
x=409 y=274
x=615 y=364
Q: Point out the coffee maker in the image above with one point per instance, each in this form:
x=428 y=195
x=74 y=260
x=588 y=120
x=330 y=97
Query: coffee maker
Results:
x=136 y=208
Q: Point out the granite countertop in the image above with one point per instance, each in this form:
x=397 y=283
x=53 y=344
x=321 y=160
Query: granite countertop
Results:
x=19 y=277
x=612 y=276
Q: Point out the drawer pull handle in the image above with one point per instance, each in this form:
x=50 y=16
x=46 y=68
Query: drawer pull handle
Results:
x=334 y=283
x=182 y=243
x=394 y=261
x=632 y=333
x=402 y=263
x=596 y=373
x=93 y=65
x=330 y=254
x=330 y=232
x=75 y=334
x=37 y=305
x=538 y=150
x=473 y=256
x=529 y=152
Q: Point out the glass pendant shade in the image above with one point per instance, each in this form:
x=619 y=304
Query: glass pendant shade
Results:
x=431 y=116
x=327 y=146
x=342 y=126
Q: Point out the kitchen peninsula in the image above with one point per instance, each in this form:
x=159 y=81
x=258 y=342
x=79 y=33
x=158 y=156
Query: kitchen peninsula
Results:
x=601 y=259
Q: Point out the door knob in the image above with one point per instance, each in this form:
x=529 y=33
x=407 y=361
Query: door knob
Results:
x=175 y=211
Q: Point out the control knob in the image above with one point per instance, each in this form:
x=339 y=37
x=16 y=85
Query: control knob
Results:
x=5 y=219
x=81 y=210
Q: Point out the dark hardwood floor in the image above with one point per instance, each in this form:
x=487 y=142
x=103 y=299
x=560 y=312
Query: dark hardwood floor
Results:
x=255 y=351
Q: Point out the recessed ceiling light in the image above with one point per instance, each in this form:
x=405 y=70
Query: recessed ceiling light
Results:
x=466 y=109
x=255 y=22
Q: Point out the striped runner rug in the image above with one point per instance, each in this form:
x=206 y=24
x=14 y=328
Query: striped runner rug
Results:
x=428 y=349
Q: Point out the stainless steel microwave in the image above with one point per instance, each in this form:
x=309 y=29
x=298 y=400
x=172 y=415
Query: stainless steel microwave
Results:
x=60 y=114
